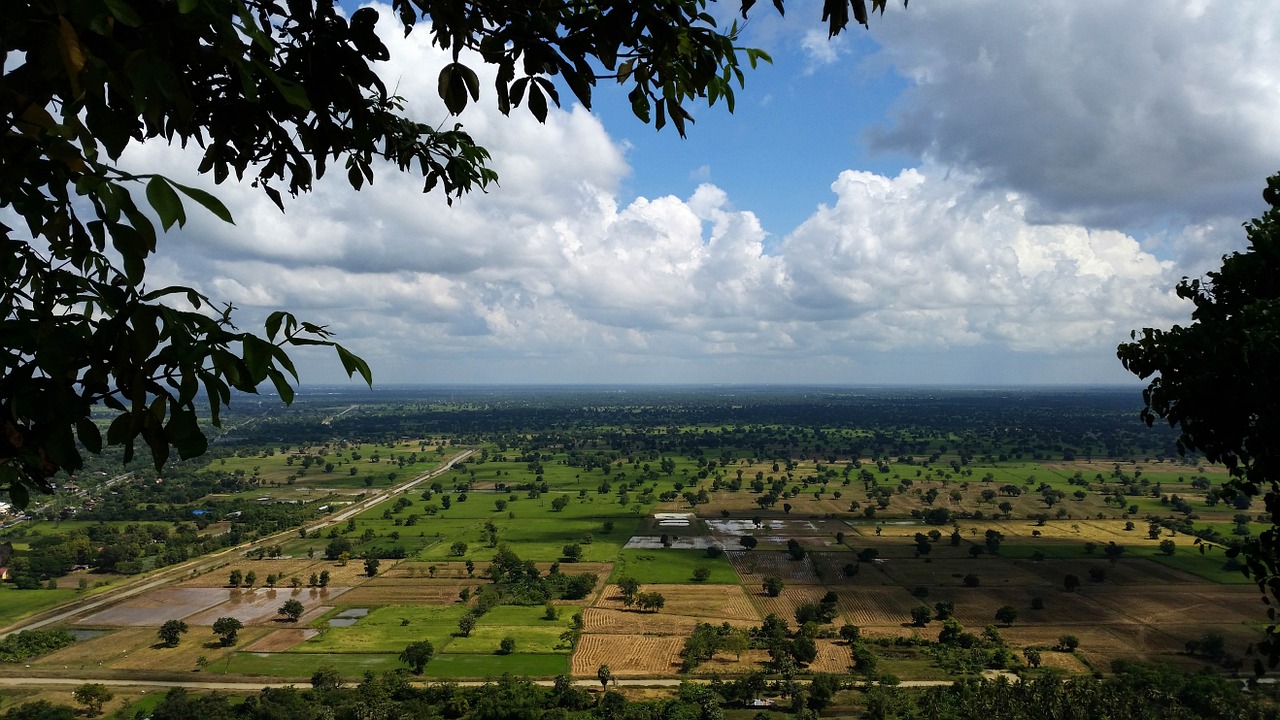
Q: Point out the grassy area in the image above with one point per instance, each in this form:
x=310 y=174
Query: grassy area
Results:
x=383 y=630
x=303 y=665
x=670 y=566
x=526 y=625
x=1208 y=566
x=478 y=666
x=17 y=604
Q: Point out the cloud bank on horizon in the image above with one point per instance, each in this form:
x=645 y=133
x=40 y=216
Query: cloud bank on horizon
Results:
x=1068 y=163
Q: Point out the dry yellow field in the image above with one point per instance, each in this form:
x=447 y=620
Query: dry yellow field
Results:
x=627 y=655
x=718 y=602
x=625 y=622
x=285 y=568
x=135 y=648
x=833 y=657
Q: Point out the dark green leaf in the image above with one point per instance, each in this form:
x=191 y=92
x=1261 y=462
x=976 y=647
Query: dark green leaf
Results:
x=208 y=201
x=89 y=435
x=165 y=202
x=353 y=364
x=18 y=494
x=124 y=12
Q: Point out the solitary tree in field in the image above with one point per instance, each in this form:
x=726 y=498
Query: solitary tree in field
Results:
x=417 y=654
x=466 y=624
x=371 y=566
x=921 y=615
x=1006 y=614
x=227 y=628
x=604 y=675
x=93 y=696
x=773 y=586
x=171 y=632
x=291 y=609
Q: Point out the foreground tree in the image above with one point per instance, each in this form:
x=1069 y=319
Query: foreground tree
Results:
x=292 y=609
x=417 y=654
x=93 y=696
x=227 y=629
x=1215 y=380
x=326 y=677
x=279 y=92
x=171 y=632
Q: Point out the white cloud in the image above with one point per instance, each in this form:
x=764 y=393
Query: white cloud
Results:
x=930 y=275
x=1117 y=113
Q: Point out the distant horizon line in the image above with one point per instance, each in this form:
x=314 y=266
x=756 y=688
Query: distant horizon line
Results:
x=780 y=385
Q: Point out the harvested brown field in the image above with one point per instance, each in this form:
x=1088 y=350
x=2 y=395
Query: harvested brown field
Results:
x=991 y=572
x=281 y=640
x=877 y=605
x=1124 y=572
x=1202 y=604
x=720 y=602
x=446 y=571
x=791 y=597
x=1066 y=662
x=753 y=566
x=976 y=607
x=729 y=664
x=627 y=655
x=183 y=658
x=625 y=622
x=153 y=608
x=833 y=657
x=418 y=593
x=830 y=567
x=135 y=648
x=285 y=568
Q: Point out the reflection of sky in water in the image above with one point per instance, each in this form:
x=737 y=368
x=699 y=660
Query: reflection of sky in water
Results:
x=348 y=617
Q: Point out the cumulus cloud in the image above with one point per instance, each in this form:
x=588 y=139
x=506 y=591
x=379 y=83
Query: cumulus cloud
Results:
x=1114 y=113
x=553 y=276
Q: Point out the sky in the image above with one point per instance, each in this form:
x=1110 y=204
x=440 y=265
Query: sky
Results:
x=970 y=192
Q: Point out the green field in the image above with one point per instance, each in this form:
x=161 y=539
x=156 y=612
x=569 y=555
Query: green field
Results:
x=526 y=625
x=671 y=566
x=383 y=630
x=17 y=604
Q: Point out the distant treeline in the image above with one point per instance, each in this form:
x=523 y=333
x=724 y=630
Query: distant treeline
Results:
x=764 y=422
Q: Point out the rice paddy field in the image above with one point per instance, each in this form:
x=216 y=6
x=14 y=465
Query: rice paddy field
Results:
x=436 y=542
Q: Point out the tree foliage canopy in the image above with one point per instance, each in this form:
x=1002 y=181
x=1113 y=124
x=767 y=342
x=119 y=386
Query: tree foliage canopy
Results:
x=1215 y=380
x=275 y=94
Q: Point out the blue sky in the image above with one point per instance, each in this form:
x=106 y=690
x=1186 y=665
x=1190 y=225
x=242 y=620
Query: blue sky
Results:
x=970 y=192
